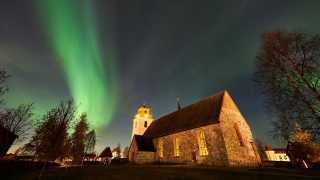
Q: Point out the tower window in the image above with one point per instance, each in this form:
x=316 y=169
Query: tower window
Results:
x=145 y=124
x=236 y=127
x=203 y=151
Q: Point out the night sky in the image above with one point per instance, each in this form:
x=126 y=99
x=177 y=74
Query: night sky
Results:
x=114 y=55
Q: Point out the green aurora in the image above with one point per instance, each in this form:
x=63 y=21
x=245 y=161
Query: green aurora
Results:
x=71 y=28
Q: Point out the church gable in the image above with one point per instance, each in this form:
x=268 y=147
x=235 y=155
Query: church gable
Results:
x=228 y=103
x=237 y=135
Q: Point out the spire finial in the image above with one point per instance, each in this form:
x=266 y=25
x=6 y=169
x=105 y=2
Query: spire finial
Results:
x=178 y=103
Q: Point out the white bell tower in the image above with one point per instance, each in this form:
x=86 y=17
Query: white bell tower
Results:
x=141 y=120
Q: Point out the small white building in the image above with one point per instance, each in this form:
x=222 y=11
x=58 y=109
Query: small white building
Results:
x=276 y=154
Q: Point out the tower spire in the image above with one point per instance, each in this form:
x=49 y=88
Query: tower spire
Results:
x=178 y=103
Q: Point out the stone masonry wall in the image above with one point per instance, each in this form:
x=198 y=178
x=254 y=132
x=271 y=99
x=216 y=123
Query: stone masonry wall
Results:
x=244 y=154
x=189 y=148
x=144 y=157
x=132 y=151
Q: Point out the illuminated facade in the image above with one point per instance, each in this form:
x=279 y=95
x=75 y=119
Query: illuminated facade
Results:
x=211 y=131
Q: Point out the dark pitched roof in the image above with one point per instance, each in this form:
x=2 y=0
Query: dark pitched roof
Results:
x=106 y=152
x=144 y=143
x=201 y=113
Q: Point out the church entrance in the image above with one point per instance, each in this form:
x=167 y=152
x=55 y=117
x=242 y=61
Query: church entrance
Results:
x=194 y=156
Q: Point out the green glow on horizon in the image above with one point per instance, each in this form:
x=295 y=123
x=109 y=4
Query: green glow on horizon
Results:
x=72 y=33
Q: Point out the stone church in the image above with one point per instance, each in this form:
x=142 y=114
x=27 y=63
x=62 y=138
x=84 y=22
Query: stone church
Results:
x=211 y=131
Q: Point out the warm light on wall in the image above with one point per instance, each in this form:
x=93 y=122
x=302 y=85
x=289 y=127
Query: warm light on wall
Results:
x=203 y=151
x=160 y=148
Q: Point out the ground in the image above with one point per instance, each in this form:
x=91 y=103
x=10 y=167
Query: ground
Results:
x=163 y=172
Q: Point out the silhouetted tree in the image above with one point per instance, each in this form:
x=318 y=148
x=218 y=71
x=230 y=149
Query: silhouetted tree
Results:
x=18 y=120
x=3 y=88
x=117 y=150
x=300 y=148
x=79 y=139
x=125 y=152
x=51 y=137
x=90 y=142
x=260 y=148
x=287 y=70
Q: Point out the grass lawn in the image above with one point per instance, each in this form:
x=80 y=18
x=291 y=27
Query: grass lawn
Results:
x=155 y=172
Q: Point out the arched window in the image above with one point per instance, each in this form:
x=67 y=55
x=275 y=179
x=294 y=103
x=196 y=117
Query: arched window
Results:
x=236 y=127
x=145 y=124
x=176 y=145
x=203 y=151
x=160 y=148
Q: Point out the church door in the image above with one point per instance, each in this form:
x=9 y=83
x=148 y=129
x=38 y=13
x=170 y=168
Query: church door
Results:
x=194 y=156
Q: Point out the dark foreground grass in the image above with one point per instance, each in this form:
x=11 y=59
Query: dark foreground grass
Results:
x=159 y=172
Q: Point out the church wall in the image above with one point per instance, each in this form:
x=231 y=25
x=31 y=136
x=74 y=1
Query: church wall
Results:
x=189 y=148
x=132 y=151
x=144 y=157
x=240 y=145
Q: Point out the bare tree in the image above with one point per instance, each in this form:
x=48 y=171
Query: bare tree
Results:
x=51 y=137
x=3 y=89
x=287 y=70
x=90 y=142
x=301 y=150
x=18 y=120
x=126 y=152
x=260 y=148
x=117 y=150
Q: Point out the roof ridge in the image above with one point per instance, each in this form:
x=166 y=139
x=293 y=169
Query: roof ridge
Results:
x=222 y=92
x=203 y=112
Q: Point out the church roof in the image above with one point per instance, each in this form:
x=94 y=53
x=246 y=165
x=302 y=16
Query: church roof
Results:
x=201 y=113
x=144 y=143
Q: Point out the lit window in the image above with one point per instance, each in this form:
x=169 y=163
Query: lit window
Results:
x=203 y=151
x=160 y=148
x=176 y=147
x=236 y=127
x=145 y=124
